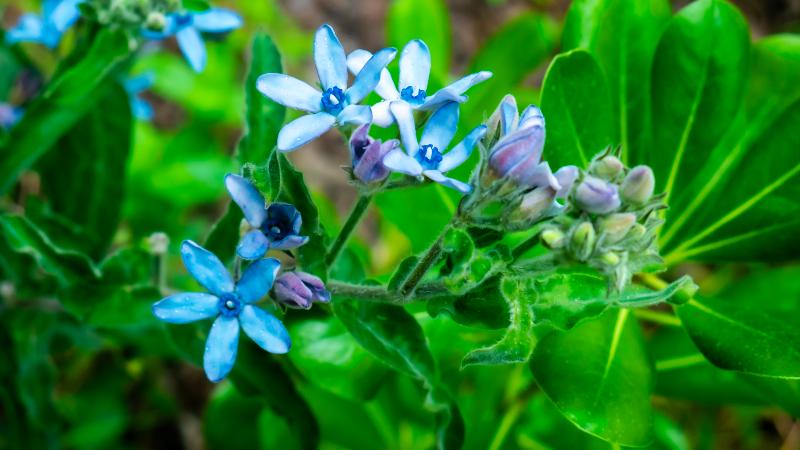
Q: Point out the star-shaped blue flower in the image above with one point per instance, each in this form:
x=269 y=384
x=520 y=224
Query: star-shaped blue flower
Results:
x=337 y=105
x=427 y=156
x=230 y=303
x=186 y=27
x=47 y=29
x=134 y=86
x=415 y=69
x=276 y=226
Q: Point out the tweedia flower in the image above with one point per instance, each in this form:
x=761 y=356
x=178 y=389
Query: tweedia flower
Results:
x=57 y=16
x=337 y=105
x=230 y=303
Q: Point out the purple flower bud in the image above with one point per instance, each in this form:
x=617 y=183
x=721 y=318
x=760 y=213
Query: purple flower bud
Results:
x=367 y=155
x=519 y=152
x=597 y=196
x=504 y=119
x=300 y=290
x=566 y=177
x=637 y=188
x=535 y=204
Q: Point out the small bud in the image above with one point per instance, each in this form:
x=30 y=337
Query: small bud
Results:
x=566 y=177
x=637 y=188
x=299 y=290
x=597 y=196
x=503 y=120
x=155 y=21
x=553 y=238
x=608 y=167
x=616 y=226
x=637 y=231
x=158 y=243
x=583 y=239
x=610 y=258
x=518 y=153
x=535 y=204
x=367 y=155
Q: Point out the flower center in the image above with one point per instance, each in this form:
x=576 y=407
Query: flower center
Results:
x=229 y=305
x=183 y=20
x=409 y=96
x=428 y=157
x=333 y=100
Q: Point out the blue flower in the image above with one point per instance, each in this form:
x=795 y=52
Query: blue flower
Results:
x=134 y=86
x=57 y=16
x=9 y=115
x=427 y=156
x=415 y=69
x=186 y=27
x=230 y=303
x=276 y=226
x=337 y=105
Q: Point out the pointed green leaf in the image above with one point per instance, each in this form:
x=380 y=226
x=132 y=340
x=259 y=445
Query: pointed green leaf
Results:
x=224 y=236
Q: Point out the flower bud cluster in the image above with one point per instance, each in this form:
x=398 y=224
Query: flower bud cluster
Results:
x=134 y=14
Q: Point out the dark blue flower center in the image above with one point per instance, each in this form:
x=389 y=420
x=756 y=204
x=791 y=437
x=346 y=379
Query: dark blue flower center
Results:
x=333 y=100
x=428 y=157
x=229 y=305
x=281 y=221
x=409 y=96
x=183 y=20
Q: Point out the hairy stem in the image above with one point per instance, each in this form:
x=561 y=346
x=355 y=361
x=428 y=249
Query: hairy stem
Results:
x=379 y=294
x=424 y=264
x=356 y=214
x=522 y=248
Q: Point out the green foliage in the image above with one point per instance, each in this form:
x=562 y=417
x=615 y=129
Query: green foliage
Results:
x=428 y=20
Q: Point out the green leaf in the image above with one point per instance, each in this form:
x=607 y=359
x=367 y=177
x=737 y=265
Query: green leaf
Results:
x=196 y=5
x=599 y=376
x=264 y=116
x=625 y=56
x=482 y=306
x=744 y=204
x=738 y=330
x=393 y=335
x=428 y=20
x=224 y=236
x=61 y=105
x=577 y=104
x=438 y=211
x=96 y=150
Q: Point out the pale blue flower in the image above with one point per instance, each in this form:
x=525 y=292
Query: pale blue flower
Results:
x=47 y=29
x=337 y=105
x=415 y=69
x=186 y=27
x=9 y=115
x=230 y=303
x=427 y=156
x=136 y=85
x=276 y=226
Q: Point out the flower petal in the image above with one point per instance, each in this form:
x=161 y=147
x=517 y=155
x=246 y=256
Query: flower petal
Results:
x=441 y=97
x=139 y=83
x=461 y=152
x=265 y=329
x=532 y=117
x=566 y=177
x=221 y=347
x=440 y=178
x=534 y=174
x=186 y=307
x=217 y=20
x=330 y=59
x=253 y=245
x=64 y=14
x=289 y=242
x=381 y=115
x=355 y=115
x=141 y=109
x=29 y=28
x=303 y=130
x=369 y=167
x=193 y=48
x=441 y=127
x=289 y=91
x=248 y=198
x=462 y=85
x=206 y=268
x=385 y=88
x=405 y=122
x=508 y=114
x=415 y=66
x=398 y=161
x=369 y=75
x=257 y=279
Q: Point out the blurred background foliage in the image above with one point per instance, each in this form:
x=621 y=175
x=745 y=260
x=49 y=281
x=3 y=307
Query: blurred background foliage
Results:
x=121 y=383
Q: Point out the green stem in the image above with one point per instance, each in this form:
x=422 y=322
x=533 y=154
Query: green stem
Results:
x=512 y=415
x=522 y=248
x=424 y=264
x=657 y=317
x=347 y=229
x=379 y=294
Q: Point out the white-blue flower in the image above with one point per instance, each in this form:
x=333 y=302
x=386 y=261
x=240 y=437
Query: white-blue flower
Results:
x=427 y=156
x=57 y=16
x=415 y=69
x=337 y=104
x=186 y=27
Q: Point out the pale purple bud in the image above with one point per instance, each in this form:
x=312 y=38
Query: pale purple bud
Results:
x=367 y=155
x=566 y=177
x=616 y=226
x=504 y=119
x=300 y=290
x=637 y=188
x=520 y=151
x=597 y=196
x=535 y=204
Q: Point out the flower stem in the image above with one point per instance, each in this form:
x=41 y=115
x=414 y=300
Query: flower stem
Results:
x=424 y=264
x=658 y=317
x=522 y=248
x=347 y=229
x=379 y=294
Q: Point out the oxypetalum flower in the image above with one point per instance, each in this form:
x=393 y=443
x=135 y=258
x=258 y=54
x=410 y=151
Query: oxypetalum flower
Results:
x=134 y=86
x=9 y=115
x=638 y=185
x=277 y=226
x=186 y=26
x=232 y=305
x=367 y=155
x=597 y=196
x=300 y=290
x=427 y=156
x=57 y=16
x=415 y=69
x=337 y=105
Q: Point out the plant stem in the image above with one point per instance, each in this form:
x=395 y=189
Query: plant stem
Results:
x=512 y=414
x=379 y=294
x=347 y=229
x=522 y=248
x=658 y=317
x=424 y=264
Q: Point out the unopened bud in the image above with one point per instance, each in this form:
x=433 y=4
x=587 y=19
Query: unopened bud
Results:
x=637 y=188
x=583 y=239
x=503 y=120
x=299 y=290
x=616 y=226
x=637 y=231
x=608 y=167
x=155 y=21
x=535 y=203
x=553 y=238
x=566 y=177
x=367 y=155
x=597 y=196
x=158 y=243
x=610 y=258
x=517 y=154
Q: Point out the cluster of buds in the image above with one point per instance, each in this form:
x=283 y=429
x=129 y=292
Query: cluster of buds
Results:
x=610 y=222
x=133 y=14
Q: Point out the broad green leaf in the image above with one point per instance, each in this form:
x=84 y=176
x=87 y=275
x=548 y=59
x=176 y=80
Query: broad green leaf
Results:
x=741 y=329
x=577 y=104
x=599 y=376
x=779 y=391
x=393 y=335
x=95 y=150
x=61 y=105
x=743 y=205
x=224 y=236
x=428 y=20
x=264 y=117
x=625 y=56
x=482 y=306
x=435 y=210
